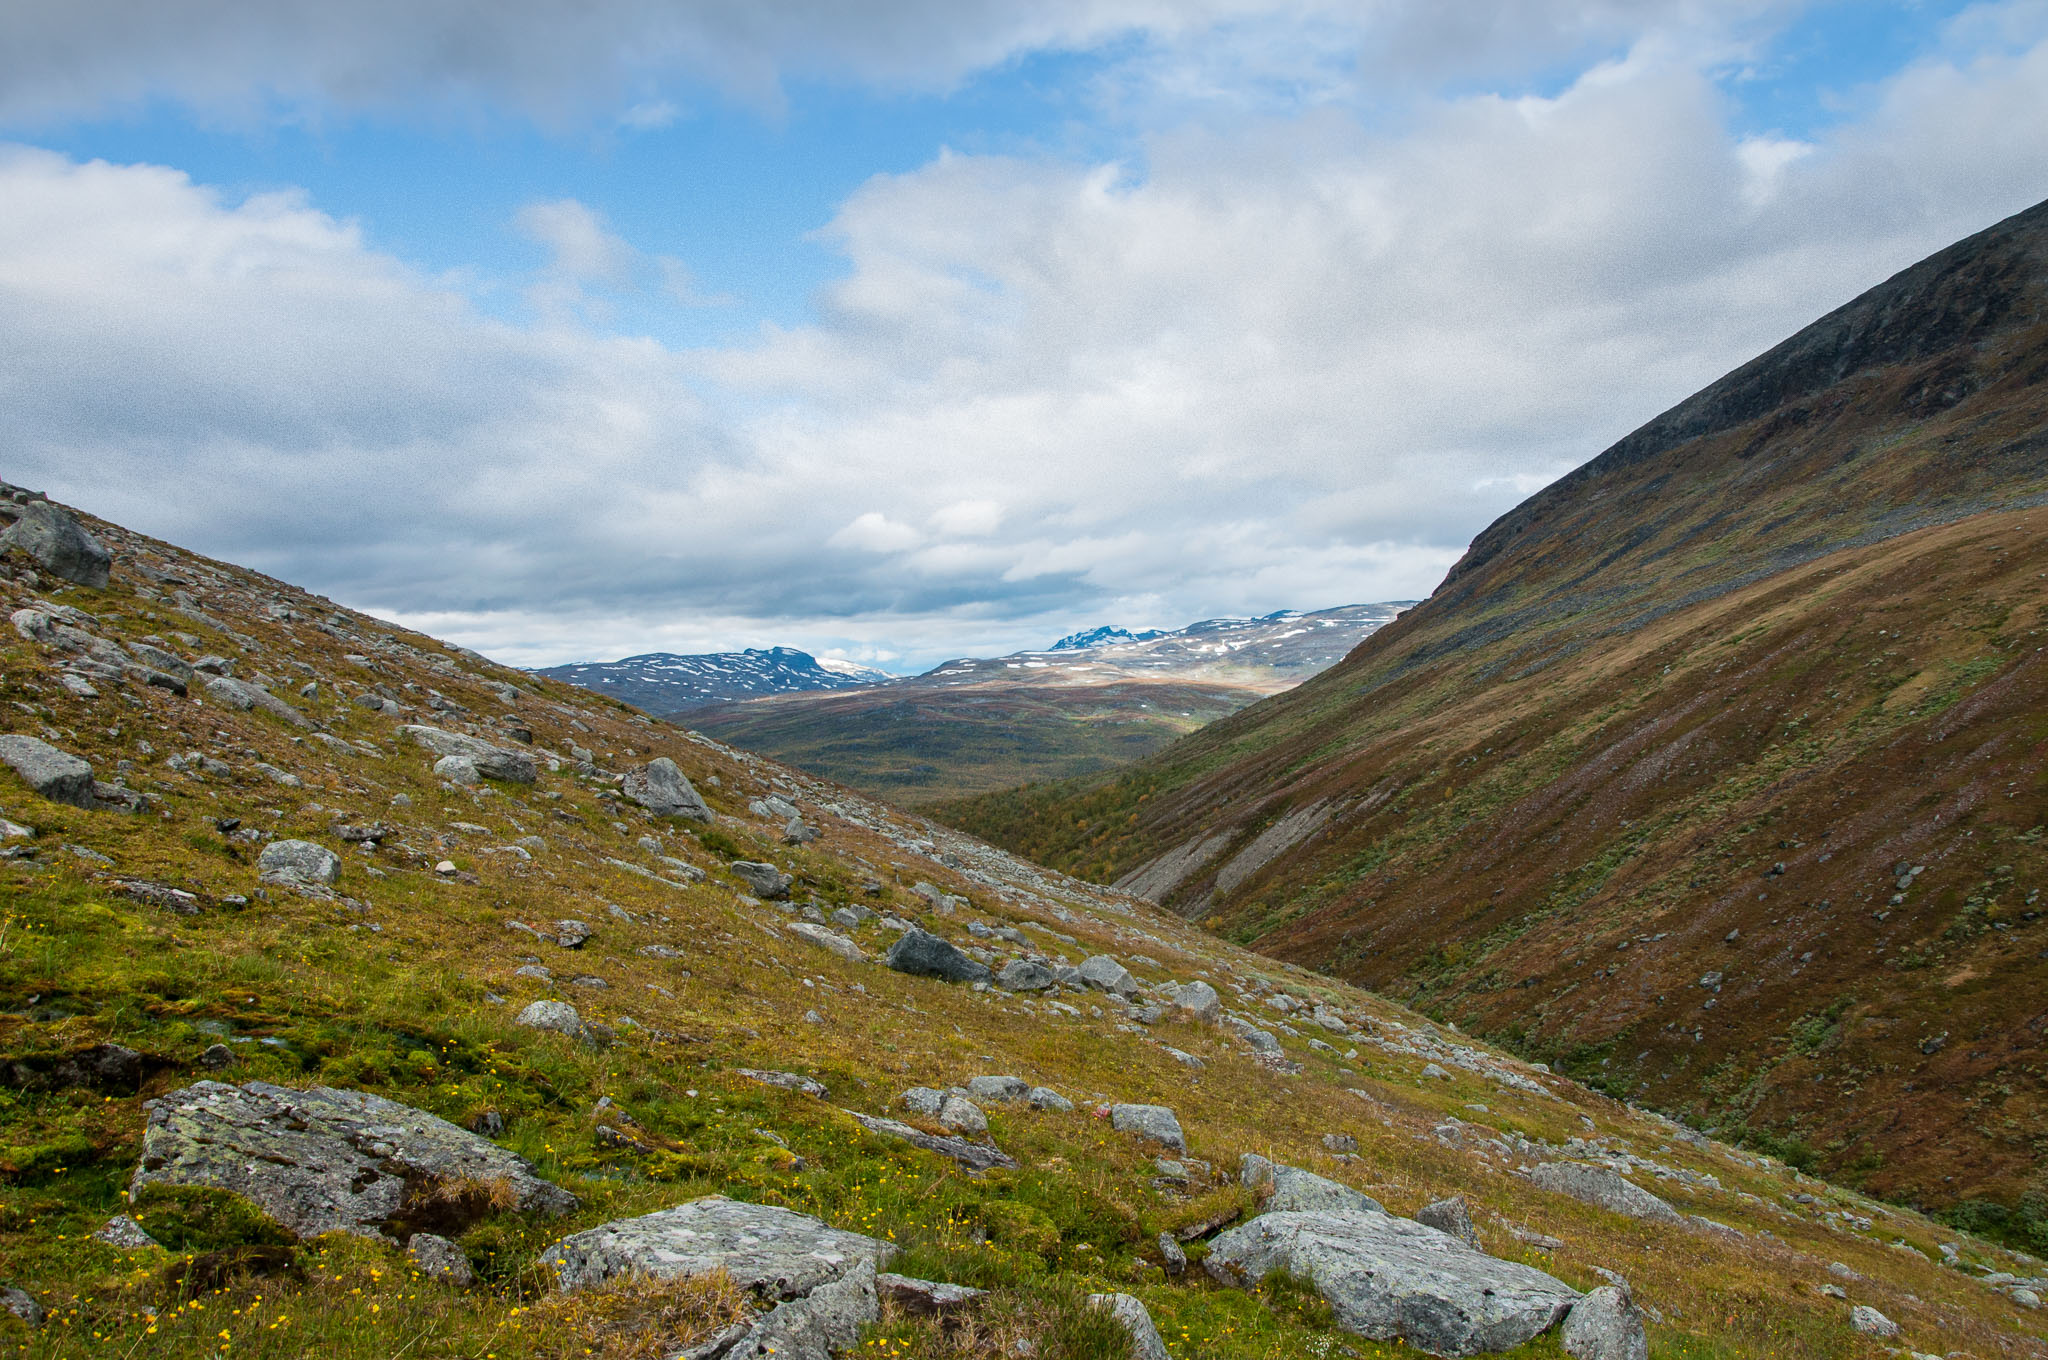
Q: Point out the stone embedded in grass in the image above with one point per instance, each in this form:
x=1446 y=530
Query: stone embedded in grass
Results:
x=1200 y=1002
x=776 y=1252
x=245 y=696
x=926 y=1298
x=661 y=788
x=328 y=1160
x=298 y=863
x=558 y=1017
x=788 y=1081
x=1290 y=1189
x=1154 y=1122
x=976 y=1157
x=949 y=1109
x=764 y=881
x=53 y=774
x=1604 y=1188
x=998 y=1088
x=1025 y=975
x=1388 y=1278
x=124 y=1232
x=1605 y=1325
x=439 y=1259
x=923 y=954
x=1870 y=1322
x=489 y=761
x=1045 y=1098
x=21 y=1305
x=1132 y=1315
x=828 y=939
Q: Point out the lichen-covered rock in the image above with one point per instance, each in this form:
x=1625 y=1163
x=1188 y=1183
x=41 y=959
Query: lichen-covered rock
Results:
x=830 y=940
x=439 y=1259
x=1289 y=1189
x=661 y=788
x=1105 y=974
x=53 y=774
x=976 y=1157
x=925 y=1298
x=125 y=1233
x=1388 y=1278
x=1451 y=1216
x=826 y=1320
x=1605 y=1325
x=1608 y=1189
x=998 y=1088
x=245 y=696
x=557 y=1016
x=1155 y=1122
x=1025 y=975
x=923 y=954
x=1200 y=1002
x=1870 y=1322
x=763 y=880
x=491 y=762
x=60 y=545
x=1145 y=1341
x=298 y=862
x=777 y=1252
x=325 y=1160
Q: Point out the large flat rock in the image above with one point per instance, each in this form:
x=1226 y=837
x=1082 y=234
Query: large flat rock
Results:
x=1389 y=1278
x=778 y=1252
x=323 y=1160
x=1604 y=1187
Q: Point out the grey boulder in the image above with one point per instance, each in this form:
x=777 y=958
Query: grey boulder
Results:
x=245 y=696
x=949 y=1109
x=324 y=1160
x=1870 y=1322
x=1105 y=974
x=1145 y=1341
x=976 y=1157
x=1200 y=1001
x=124 y=1232
x=1607 y=1189
x=777 y=1252
x=1045 y=1098
x=439 y=1259
x=826 y=1320
x=998 y=1088
x=830 y=940
x=1154 y=1122
x=53 y=774
x=925 y=1298
x=1289 y=1189
x=60 y=545
x=558 y=1017
x=492 y=762
x=661 y=788
x=1387 y=1278
x=764 y=881
x=923 y=954
x=1605 y=1325
x=1023 y=975
x=298 y=863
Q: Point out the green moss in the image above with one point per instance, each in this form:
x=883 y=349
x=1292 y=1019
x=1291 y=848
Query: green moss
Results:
x=194 y=1218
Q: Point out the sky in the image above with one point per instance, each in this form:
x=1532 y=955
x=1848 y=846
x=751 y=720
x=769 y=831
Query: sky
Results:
x=907 y=329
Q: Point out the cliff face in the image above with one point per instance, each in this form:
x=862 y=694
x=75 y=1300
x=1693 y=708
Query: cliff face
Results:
x=1698 y=710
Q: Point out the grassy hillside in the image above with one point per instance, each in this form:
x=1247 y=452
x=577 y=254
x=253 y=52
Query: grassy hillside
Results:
x=1753 y=697
x=914 y=746
x=403 y=980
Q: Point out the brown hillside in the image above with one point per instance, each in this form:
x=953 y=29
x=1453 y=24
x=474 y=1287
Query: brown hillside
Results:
x=1793 y=621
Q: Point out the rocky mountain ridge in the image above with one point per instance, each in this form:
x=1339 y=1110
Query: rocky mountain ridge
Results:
x=1713 y=772
x=671 y=682
x=387 y=999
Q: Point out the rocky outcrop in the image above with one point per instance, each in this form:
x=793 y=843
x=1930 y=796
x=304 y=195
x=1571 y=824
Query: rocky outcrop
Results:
x=489 y=761
x=50 y=773
x=661 y=788
x=923 y=954
x=59 y=545
x=1605 y=1188
x=1289 y=1189
x=976 y=1157
x=1388 y=1278
x=775 y=1252
x=328 y=1160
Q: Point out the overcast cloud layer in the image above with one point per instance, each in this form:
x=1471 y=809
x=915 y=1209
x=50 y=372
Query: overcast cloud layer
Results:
x=1297 y=359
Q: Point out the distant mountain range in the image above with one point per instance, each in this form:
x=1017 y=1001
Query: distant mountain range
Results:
x=664 y=682
x=1094 y=701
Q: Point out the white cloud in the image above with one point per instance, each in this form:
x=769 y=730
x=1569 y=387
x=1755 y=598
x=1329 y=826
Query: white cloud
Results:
x=1295 y=361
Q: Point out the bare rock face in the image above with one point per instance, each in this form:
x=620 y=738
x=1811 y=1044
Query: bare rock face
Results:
x=1389 y=1278
x=1607 y=1189
x=660 y=787
x=324 y=1160
x=60 y=545
x=774 y=1251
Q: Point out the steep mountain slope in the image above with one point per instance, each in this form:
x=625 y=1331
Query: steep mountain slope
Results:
x=668 y=682
x=1715 y=770
x=287 y=866
x=1095 y=701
